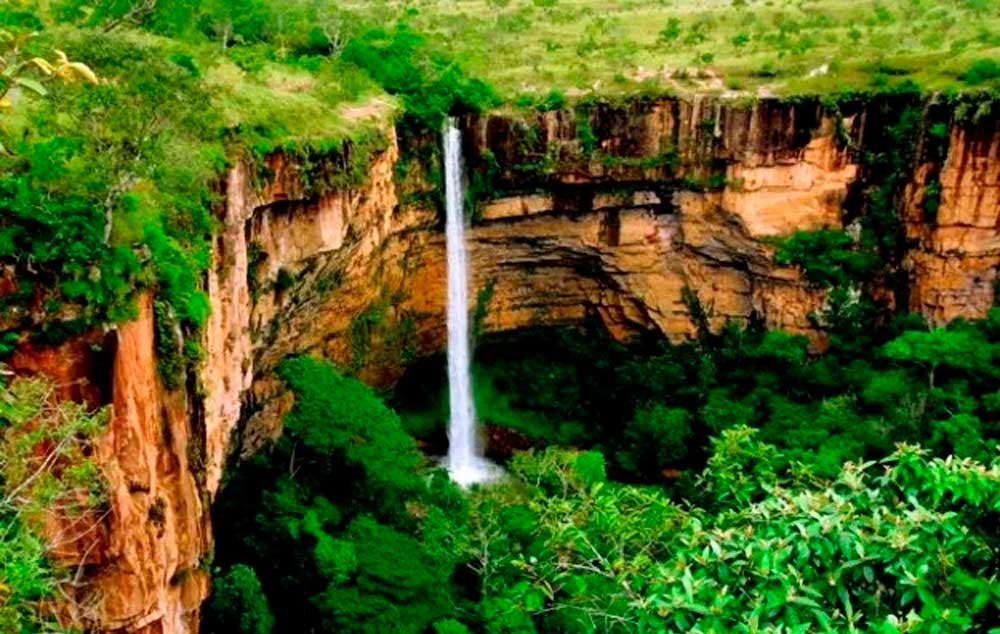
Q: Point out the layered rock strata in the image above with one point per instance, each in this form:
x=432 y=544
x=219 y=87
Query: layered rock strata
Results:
x=625 y=214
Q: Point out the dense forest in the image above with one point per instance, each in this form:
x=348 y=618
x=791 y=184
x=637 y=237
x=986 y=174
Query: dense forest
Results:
x=734 y=483
x=738 y=478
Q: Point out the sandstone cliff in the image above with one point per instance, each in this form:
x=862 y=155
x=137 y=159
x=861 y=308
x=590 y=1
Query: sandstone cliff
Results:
x=141 y=569
x=657 y=197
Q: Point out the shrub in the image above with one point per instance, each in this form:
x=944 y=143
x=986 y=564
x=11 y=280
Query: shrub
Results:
x=554 y=100
x=46 y=474
x=981 y=71
x=958 y=348
x=862 y=551
x=657 y=438
x=671 y=31
x=827 y=257
x=239 y=603
x=404 y=63
x=339 y=506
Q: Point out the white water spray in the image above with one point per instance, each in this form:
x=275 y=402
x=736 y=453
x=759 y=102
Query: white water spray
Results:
x=465 y=462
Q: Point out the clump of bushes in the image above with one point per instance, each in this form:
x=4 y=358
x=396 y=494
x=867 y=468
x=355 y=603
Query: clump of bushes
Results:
x=981 y=71
x=562 y=551
x=827 y=257
x=46 y=474
x=342 y=505
x=431 y=85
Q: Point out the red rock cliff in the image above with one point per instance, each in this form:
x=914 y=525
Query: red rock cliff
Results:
x=688 y=200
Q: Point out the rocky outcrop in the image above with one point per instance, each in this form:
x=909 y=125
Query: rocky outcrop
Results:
x=956 y=255
x=139 y=565
x=624 y=213
x=676 y=199
x=154 y=578
x=619 y=237
x=630 y=254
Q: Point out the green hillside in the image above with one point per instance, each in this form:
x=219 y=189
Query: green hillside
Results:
x=752 y=47
x=215 y=81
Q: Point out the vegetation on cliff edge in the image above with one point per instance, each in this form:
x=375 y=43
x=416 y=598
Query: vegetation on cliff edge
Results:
x=51 y=500
x=549 y=50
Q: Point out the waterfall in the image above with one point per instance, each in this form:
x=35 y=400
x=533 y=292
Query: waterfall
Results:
x=465 y=461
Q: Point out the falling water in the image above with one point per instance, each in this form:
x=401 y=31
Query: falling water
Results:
x=465 y=462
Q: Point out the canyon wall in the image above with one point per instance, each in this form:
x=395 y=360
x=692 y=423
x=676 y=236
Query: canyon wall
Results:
x=140 y=567
x=954 y=260
x=624 y=215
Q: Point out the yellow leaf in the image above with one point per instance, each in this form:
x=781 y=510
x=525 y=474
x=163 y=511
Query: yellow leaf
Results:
x=42 y=65
x=84 y=71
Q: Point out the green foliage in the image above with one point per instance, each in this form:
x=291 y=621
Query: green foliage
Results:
x=959 y=348
x=864 y=552
x=364 y=433
x=671 y=31
x=340 y=505
x=554 y=100
x=655 y=439
x=740 y=468
x=92 y=194
x=45 y=453
x=450 y=626
x=890 y=165
x=404 y=63
x=561 y=548
x=26 y=578
x=239 y=603
x=297 y=27
x=827 y=257
x=284 y=281
x=107 y=190
x=981 y=71
x=362 y=330
x=852 y=263
x=650 y=407
x=932 y=199
x=46 y=474
x=585 y=134
x=483 y=297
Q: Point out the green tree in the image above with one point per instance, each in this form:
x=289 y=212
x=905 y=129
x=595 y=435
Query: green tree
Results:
x=344 y=529
x=671 y=31
x=16 y=70
x=236 y=22
x=958 y=348
x=239 y=603
x=657 y=438
x=859 y=553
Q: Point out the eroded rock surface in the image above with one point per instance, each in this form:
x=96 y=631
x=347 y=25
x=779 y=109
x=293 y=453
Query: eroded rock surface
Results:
x=674 y=195
x=957 y=253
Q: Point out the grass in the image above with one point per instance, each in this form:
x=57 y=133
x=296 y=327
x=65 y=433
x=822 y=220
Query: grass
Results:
x=260 y=97
x=138 y=156
x=756 y=47
x=295 y=104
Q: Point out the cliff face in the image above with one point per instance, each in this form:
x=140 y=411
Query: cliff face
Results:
x=614 y=215
x=955 y=258
x=139 y=568
x=674 y=196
